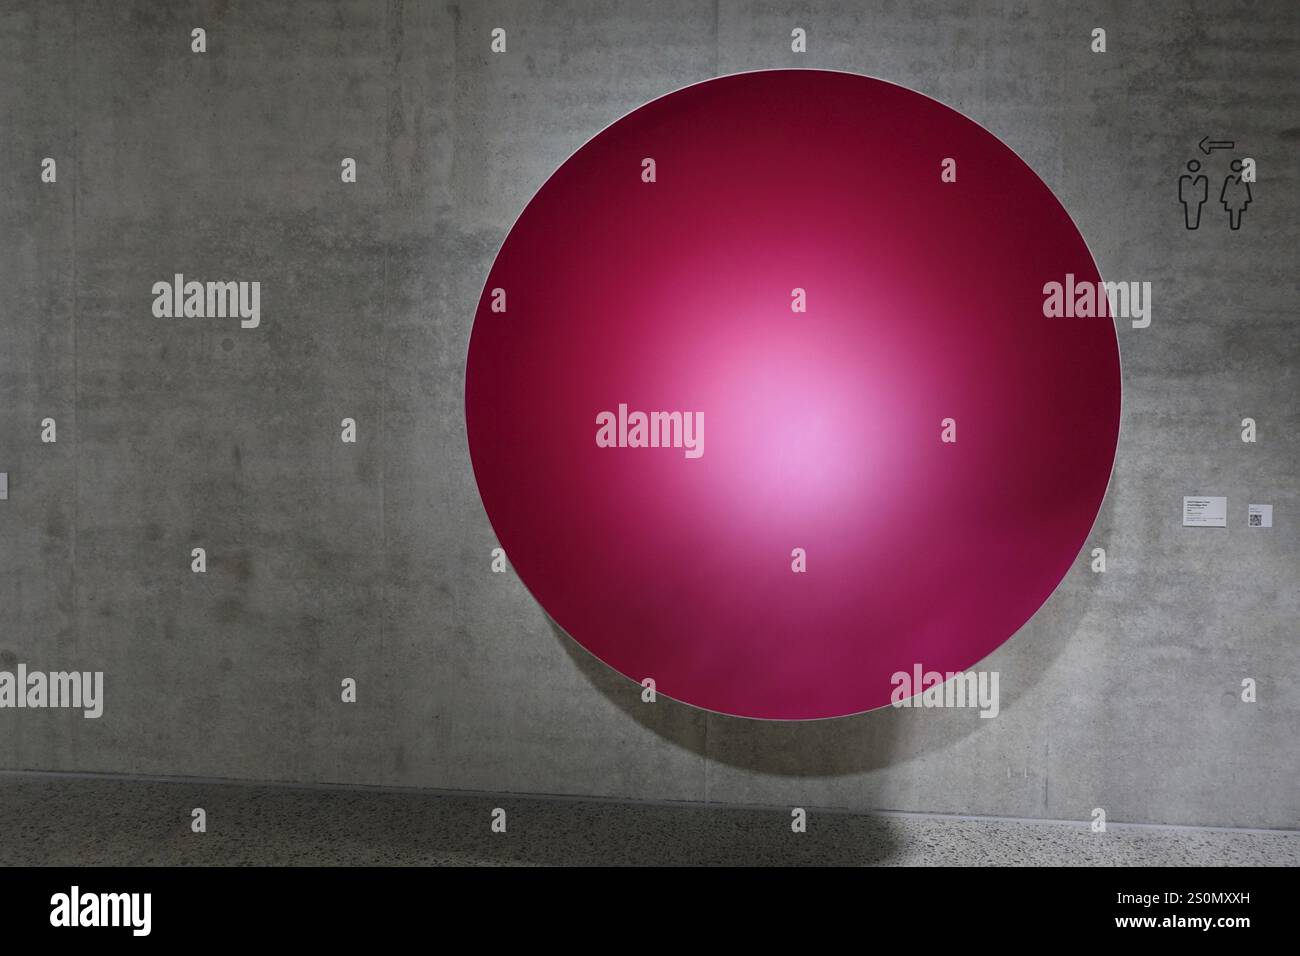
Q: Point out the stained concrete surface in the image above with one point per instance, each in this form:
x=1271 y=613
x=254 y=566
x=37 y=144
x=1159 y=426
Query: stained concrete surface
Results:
x=69 y=821
x=372 y=561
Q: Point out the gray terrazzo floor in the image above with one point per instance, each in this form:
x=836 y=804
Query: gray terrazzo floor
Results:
x=72 y=820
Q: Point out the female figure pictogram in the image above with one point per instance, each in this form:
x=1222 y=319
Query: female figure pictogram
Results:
x=1235 y=195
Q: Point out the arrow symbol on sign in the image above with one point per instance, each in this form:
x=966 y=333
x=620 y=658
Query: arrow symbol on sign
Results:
x=1209 y=145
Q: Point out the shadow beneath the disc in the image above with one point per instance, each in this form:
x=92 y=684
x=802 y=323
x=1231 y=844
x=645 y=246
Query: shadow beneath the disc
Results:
x=877 y=740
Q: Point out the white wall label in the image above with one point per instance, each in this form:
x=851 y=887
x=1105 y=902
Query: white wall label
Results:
x=4 y=486
x=1259 y=516
x=1203 y=512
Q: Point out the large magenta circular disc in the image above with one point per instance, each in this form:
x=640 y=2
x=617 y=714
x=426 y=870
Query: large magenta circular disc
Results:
x=822 y=429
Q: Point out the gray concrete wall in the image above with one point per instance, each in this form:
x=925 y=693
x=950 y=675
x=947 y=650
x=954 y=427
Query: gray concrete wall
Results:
x=371 y=560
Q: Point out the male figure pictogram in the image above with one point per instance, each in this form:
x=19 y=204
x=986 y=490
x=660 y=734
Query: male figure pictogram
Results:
x=1193 y=191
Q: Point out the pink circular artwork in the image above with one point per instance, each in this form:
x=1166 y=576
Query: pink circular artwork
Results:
x=763 y=402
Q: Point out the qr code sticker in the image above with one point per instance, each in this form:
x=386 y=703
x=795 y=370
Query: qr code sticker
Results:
x=1256 y=521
